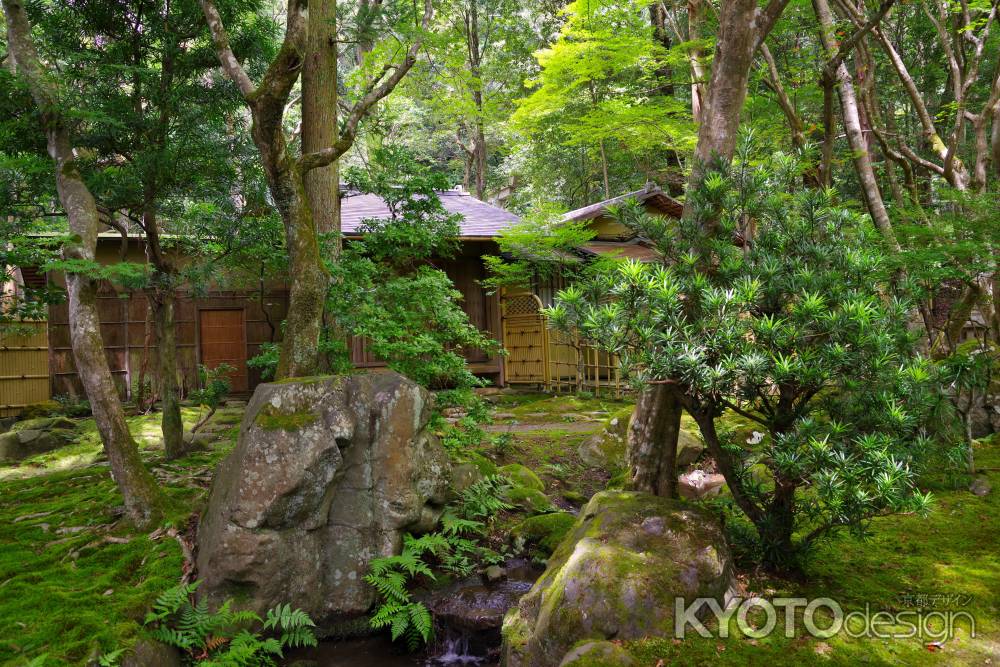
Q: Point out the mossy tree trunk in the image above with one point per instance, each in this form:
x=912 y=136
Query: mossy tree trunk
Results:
x=143 y=500
x=309 y=44
x=162 y=303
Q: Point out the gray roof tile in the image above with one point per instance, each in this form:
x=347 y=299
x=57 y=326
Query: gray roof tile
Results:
x=480 y=219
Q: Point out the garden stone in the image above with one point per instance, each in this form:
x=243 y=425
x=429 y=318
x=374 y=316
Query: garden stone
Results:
x=689 y=448
x=44 y=424
x=464 y=475
x=149 y=653
x=18 y=445
x=597 y=654
x=616 y=575
x=328 y=473
x=41 y=409
x=980 y=486
x=699 y=484
x=606 y=449
x=201 y=439
x=521 y=475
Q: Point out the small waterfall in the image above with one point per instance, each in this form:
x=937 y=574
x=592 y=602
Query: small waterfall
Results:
x=454 y=649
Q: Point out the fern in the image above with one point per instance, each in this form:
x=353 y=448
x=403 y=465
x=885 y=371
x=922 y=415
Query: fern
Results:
x=110 y=659
x=456 y=549
x=223 y=638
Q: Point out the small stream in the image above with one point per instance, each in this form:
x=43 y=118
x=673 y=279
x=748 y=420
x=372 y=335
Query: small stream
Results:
x=467 y=614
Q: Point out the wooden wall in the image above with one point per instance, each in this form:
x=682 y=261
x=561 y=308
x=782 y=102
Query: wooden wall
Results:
x=126 y=327
x=24 y=367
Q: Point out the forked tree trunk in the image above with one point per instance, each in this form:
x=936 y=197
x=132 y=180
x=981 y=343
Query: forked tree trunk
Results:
x=139 y=490
x=743 y=25
x=286 y=174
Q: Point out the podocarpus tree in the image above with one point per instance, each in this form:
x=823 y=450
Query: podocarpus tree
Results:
x=796 y=330
x=743 y=27
x=287 y=172
x=139 y=489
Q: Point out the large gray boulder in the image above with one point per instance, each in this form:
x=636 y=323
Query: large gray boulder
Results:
x=616 y=576
x=328 y=473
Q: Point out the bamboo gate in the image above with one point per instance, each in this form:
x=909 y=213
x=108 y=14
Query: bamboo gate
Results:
x=552 y=360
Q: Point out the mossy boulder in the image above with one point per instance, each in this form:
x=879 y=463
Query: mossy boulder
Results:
x=25 y=443
x=486 y=467
x=41 y=409
x=544 y=531
x=616 y=575
x=606 y=449
x=520 y=475
x=44 y=424
x=531 y=501
x=327 y=474
x=597 y=654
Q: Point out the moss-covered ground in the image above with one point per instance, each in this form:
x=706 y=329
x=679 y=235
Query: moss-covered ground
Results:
x=75 y=579
x=951 y=558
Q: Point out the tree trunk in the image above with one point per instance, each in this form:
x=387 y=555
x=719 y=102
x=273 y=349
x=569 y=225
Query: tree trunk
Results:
x=652 y=442
x=319 y=115
x=776 y=528
x=995 y=141
x=737 y=40
x=475 y=69
x=698 y=94
x=141 y=495
x=164 y=328
x=308 y=277
x=852 y=126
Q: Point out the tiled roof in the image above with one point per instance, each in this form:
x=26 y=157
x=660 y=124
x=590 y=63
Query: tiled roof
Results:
x=481 y=220
x=651 y=194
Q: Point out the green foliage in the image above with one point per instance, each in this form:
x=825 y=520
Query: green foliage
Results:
x=798 y=330
x=73 y=406
x=223 y=638
x=22 y=247
x=454 y=549
x=385 y=291
x=597 y=96
x=215 y=385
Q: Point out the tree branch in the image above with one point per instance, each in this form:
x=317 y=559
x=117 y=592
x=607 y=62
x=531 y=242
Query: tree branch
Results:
x=848 y=44
x=766 y=18
x=220 y=39
x=377 y=89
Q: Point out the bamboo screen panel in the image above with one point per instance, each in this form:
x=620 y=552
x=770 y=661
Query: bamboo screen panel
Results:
x=24 y=368
x=525 y=337
x=575 y=365
x=552 y=359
